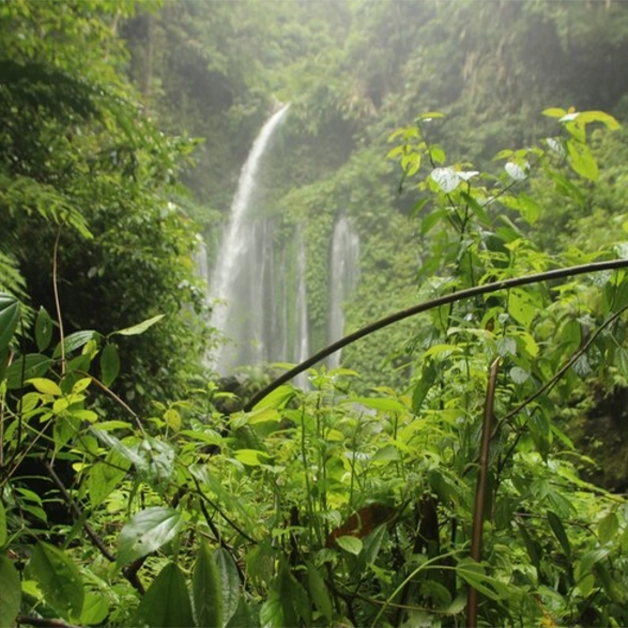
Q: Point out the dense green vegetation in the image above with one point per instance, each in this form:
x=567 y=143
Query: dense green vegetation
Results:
x=447 y=474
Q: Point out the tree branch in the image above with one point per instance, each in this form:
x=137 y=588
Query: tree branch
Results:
x=506 y=284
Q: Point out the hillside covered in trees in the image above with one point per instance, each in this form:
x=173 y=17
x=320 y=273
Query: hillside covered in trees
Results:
x=462 y=465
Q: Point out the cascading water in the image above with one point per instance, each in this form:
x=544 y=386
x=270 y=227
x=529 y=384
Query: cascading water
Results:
x=301 y=340
x=345 y=270
x=243 y=277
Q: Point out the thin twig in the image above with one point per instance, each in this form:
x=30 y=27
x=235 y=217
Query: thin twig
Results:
x=505 y=284
x=43 y=622
x=55 y=290
x=480 y=492
x=96 y=540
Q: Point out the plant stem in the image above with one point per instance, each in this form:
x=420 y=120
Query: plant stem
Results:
x=480 y=493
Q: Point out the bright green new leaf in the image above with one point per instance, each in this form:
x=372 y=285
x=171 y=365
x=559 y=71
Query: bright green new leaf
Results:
x=600 y=116
x=350 y=544
x=207 y=590
x=140 y=328
x=109 y=364
x=278 y=398
x=166 y=604
x=230 y=581
x=251 y=457
x=9 y=317
x=58 y=578
x=147 y=531
x=43 y=329
x=45 y=386
x=554 y=112
x=10 y=592
x=582 y=160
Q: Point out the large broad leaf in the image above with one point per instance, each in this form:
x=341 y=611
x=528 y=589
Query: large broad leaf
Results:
x=207 y=590
x=26 y=367
x=59 y=579
x=10 y=592
x=9 y=317
x=167 y=601
x=230 y=581
x=140 y=328
x=147 y=531
x=582 y=160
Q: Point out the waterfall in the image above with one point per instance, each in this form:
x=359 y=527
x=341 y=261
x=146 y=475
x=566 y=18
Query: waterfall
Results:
x=244 y=268
x=301 y=327
x=344 y=262
x=200 y=261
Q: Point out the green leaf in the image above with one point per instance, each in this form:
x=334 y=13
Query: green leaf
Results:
x=520 y=307
x=559 y=532
x=75 y=341
x=519 y=375
x=104 y=477
x=58 y=578
x=278 y=398
x=9 y=317
x=473 y=574
x=447 y=179
x=140 y=328
x=230 y=580
x=554 y=112
x=167 y=602
x=26 y=367
x=251 y=457
x=43 y=329
x=207 y=590
x=3 y=526
x=350 y=544
x=109 y=364
x=599 y=116
x=146 y=532
x=95 y=609
x=10 y=592
x=607 y=528
x=318 y=592
x=581 y=160
x=45 y=386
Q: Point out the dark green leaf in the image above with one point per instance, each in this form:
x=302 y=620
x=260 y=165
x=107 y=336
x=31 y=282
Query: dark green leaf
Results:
x=26 y=367
x=147 y=531
x=75 y=341
x=230 y=580
x=207 y=590
x=43 y=329
x=9 y=317
x=167 y=602
x=559 y=532
x=10 y=592
x=109 y=364
x=58 y=578
x=318 y=592
x=3 y=525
